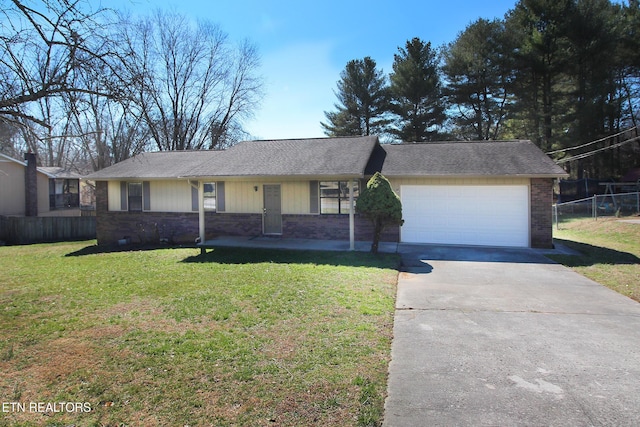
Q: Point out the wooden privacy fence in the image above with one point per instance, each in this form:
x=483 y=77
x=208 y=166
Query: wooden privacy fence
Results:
x=25 y=230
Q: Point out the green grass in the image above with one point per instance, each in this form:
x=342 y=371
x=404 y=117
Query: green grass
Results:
x=169 y=337
x=610 y=252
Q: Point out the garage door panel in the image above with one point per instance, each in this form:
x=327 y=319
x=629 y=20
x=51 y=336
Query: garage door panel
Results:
x=467 y=215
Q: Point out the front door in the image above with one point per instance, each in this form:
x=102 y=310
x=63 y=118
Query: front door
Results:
x=272 y=214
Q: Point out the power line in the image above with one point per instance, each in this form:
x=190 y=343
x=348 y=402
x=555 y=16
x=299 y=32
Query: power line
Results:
x=591 y=153
x=593 y=142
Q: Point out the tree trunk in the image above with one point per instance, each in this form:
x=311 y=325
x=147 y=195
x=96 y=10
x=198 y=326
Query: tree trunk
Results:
x=377 y=232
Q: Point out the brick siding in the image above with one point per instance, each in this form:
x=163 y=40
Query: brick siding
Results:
x=230 y=224
x=183 y=227
x=146 y=227
x=150 y=227
x=332 y=227
x=541 y=217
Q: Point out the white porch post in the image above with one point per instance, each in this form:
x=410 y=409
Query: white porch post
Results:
x=352 y=232
x=201 y=211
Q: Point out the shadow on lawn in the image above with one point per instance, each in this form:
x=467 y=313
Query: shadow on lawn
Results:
x=133 y=247
x=591 y=255
x=230 y=255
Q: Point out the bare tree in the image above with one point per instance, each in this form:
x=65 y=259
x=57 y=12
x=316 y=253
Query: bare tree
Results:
x=43 y=44
x=106 y=130
x=80 y=94
x=49 y=51
x=8 y=134
x=192 y=87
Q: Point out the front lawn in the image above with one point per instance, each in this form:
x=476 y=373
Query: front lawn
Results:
x=167 y=337
x=610 y=252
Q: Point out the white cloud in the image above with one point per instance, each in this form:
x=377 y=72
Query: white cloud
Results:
x=300 y=81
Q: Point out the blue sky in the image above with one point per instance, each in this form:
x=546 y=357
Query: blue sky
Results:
x=305 y=45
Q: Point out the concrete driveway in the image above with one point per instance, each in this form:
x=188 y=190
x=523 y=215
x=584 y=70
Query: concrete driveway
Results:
x=499 y=337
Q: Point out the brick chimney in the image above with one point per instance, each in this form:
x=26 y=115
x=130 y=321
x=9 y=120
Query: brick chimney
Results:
x=30 y=185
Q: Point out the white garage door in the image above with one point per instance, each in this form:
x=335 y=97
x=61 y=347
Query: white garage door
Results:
x=466 y=215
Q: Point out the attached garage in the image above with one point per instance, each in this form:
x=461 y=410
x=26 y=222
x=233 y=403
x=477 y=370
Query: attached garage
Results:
x=495 y=193
x=481 y=193
x=491 y=215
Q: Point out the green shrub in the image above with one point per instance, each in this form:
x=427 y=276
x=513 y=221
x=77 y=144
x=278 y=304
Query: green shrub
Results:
x=380 y=205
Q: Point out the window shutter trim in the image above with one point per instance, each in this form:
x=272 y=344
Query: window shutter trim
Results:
x=146 y=196
x=314 y=199
x=220 y=196
x=194 y=198
x=123 y=196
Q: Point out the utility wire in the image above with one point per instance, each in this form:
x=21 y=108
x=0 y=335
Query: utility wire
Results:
x=593 y=142
x=591 y=153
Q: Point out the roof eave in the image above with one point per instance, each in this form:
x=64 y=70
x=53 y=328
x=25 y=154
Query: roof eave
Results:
x=289 y=177
x=24 y=164
x=468 y=176
x=128 y=178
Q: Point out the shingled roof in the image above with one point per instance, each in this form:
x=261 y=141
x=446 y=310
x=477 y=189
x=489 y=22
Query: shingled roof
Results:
x=340 y=157
x=290 y=157
x=157 y=165
x=471 y=159
x=59 y=172
x=293 y=157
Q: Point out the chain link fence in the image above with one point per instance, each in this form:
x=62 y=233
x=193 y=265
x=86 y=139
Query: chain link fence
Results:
x=600 y=205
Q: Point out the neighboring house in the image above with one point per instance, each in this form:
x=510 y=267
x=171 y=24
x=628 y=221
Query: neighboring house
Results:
x=470 y=193
x=67 y=190
x=64 y=188
x=24 y=188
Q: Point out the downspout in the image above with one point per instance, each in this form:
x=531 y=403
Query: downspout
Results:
x=201 y=228
x=352 y=240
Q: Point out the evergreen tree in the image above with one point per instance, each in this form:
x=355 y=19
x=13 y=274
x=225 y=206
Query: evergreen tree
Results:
x=572 y=76
x=541 y=61
x=629 y=52
x=479 y=71
x=363 y=101
x=381 y=205
x=416 y=92
x=595 y=70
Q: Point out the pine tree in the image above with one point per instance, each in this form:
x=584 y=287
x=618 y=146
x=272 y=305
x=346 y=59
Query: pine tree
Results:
x=416 y=92
x=479 y=74
x=542 y=59
x=363 y=101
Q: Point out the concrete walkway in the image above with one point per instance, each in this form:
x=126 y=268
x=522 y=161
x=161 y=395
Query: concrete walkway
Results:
x=277 y=242
x=498 y=337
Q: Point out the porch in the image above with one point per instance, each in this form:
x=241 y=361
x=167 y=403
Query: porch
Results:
x=276 y=242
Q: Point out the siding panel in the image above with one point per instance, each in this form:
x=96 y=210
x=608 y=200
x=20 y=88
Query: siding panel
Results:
x=113 y=190
x=396 y=183
x=171 y=196
x=43 y=193
x=11 y=188
x=295 y=197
